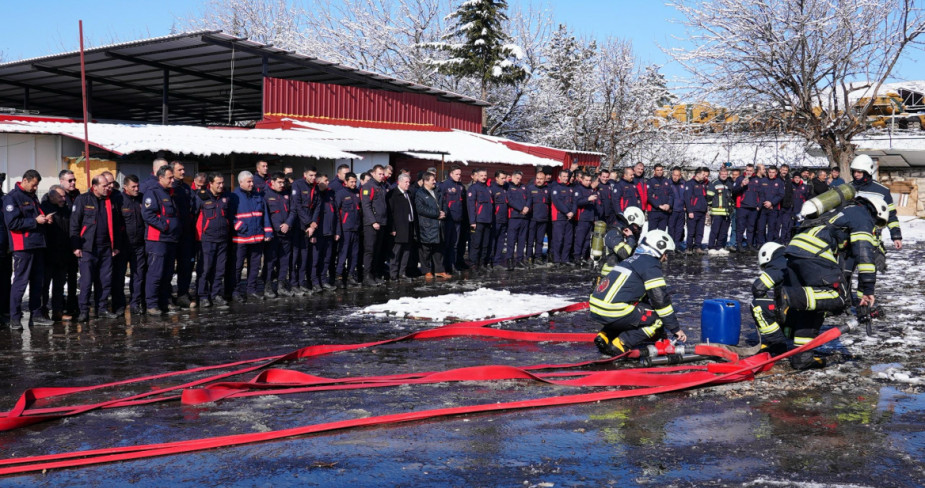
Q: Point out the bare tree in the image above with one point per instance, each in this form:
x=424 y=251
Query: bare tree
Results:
x=802 y=62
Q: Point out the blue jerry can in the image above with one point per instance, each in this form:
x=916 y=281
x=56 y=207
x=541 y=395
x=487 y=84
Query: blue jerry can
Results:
x=720 y=321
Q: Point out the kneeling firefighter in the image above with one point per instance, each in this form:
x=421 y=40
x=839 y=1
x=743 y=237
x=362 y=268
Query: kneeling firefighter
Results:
x=622 y=237
x=773 y=264
x=632 y=301
x=817 y=283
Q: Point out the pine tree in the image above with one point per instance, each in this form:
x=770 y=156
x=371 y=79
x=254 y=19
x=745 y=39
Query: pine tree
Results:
x=479 y=48
x=656 y=83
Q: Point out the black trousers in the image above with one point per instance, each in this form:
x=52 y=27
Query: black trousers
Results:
x=373 y=241
x=401 y=253
x=478 y=244
x=432 y=258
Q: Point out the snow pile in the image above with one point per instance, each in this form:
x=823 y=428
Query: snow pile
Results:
x=474 y=305
x=900 y=375
x=913 y=229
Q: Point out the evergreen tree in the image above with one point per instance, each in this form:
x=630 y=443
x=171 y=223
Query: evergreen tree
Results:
x=479 y=48
x=656 y=83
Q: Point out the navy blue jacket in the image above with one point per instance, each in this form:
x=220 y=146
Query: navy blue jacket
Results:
x=373 y=202
x=260 y=183
x=499 y=197
x=85 y=221
x=350 y=215
x=868 y=184
x=19 y=211
x=479 y=204
x=213 y=223
x=453 y=195
x=133 y=222
x=695 y=196
x=677 y=195
x=251 y=222
x=771 y=191
x=183 y=199
x=305 y=203
x=626 y=195
x=659 y=193
x=539 y=202
x=160 y=214
x=747 y=196
x=605 y=193
x=327 y=223
x=587 y=210
x=517 y=198
x=563 y=202
x=279 y=210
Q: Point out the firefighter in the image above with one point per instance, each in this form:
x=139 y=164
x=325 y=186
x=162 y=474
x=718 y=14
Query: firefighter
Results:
x=251 y=230
x=347 y=202
x=862 y=170
x=660 y=199
x=773 y=264
x=186 y=245
x=621 y=239
x=747 y=202
x=589 y=208
x=626 y=192
x=261 y=177
x=496 y=245
x=563 y=211
x=375 y=223
x=538 y=200
x=279 y=249
x=695 y=205
x=605 y=192
x=479 y=205
x=213 y=227
x=815 y=257
x=721 y=204
x=518 y=211
x=770 y=194
x=454 y=206
x=161 y=236
x=325 y=238
x=25 y=223
x=304 y=202
x=132 y=254
x=96 y=237
x=677 y=219
x=632 y=301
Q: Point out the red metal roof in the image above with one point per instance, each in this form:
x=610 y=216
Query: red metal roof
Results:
x=569 y=159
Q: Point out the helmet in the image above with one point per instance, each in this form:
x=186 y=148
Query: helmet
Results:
x=658 y=241
x=863 y=163
x=634 y=215
x=877 y=203
x=766 y=253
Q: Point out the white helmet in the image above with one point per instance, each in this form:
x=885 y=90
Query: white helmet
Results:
x=766 y=253
x=878 y=203
x=634 y=215
x=863 y=163
x=658 y=241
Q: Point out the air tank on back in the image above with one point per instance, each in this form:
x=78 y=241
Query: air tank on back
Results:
x=597 y=240
x=829 y=200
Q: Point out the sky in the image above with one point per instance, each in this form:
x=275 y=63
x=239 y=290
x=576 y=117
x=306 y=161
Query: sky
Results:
x=40 y=27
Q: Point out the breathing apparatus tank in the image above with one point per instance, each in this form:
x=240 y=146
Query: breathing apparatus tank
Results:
x=829 y=200
x=597 y=240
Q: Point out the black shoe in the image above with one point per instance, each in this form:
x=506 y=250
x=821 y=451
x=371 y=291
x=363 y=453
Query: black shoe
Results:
x=255 y=297
x=105 y=314
x=369 y=282
x=283 y=292
x=183 y=301
x=520 y=265
x=155 y=312
x=205 y=303
x=83 y=317
x=137 y=311
x=342 y=284
x=18 y=324
x=219 y=302
x=353 y=282
x=806 y=360
x=306 y=291
x=269 y=294
x=38 y=319
x=327 y=286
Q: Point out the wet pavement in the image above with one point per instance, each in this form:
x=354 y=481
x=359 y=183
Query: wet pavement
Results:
x=845 y=425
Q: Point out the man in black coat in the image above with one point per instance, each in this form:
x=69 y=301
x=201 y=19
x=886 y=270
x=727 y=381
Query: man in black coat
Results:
x=401 y=214
x=427 y=204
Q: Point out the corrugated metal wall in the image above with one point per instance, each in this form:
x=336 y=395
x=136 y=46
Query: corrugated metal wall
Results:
x=309 y=99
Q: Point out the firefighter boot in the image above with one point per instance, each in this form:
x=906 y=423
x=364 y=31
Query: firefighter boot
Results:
x=607 y=346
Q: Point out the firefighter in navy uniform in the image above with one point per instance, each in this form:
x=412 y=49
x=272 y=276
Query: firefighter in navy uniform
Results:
x=562 y=212
x=454 y=207
x=632 y=301
x=816 y=258
x=304 y=202
x=279 y=249
x=721 y=206
x=496 y=244
x=773 y=264
x=588 y=209
x=375 y=223
x=518 y=213
x=251 y=229
x=349 y=216
x=660 y=199
x=213 y=227
x=480 y=207
x=96 y=236
x=862 y=170
x=132 y=255
x=160 y=214
x=538 y=199
x=186 y=244
x=25 y=223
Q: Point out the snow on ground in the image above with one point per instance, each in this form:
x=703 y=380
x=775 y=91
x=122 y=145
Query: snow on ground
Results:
x=473 y=305
x=913 y=229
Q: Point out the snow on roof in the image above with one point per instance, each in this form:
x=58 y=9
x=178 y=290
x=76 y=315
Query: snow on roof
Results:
x=182 y=139
x=458 y=146
x=712 y=152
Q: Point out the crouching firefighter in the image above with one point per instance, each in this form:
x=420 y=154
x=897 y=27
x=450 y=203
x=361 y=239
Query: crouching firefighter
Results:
x=632 y=301
x=773 y=264
x=621 y=238
x=816 y=257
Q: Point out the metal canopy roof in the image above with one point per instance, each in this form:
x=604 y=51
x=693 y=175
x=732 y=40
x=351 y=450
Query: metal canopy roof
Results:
x=208 y=74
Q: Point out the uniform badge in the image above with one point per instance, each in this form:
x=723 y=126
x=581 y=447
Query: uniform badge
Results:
x=225 y=200
x=9 y=208
x=603 y=286
x=470 y=193
x=554 y=192
x=147 y=202
x=294 y=191
x=365 y=192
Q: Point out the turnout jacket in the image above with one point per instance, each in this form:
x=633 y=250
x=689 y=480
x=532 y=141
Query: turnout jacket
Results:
x=213 y=222
x=848 y=234
x=636 y=279
x=19 y=212
x=772 y=275
x=720 y=194
x=868 y=184
x=251 y=222
x=86 y=214
x=160 y=215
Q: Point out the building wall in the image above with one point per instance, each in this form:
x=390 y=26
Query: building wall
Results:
x=914 y=178
x=22 y=152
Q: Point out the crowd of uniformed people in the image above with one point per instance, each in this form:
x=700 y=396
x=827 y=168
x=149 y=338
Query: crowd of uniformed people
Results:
x=306 y=234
